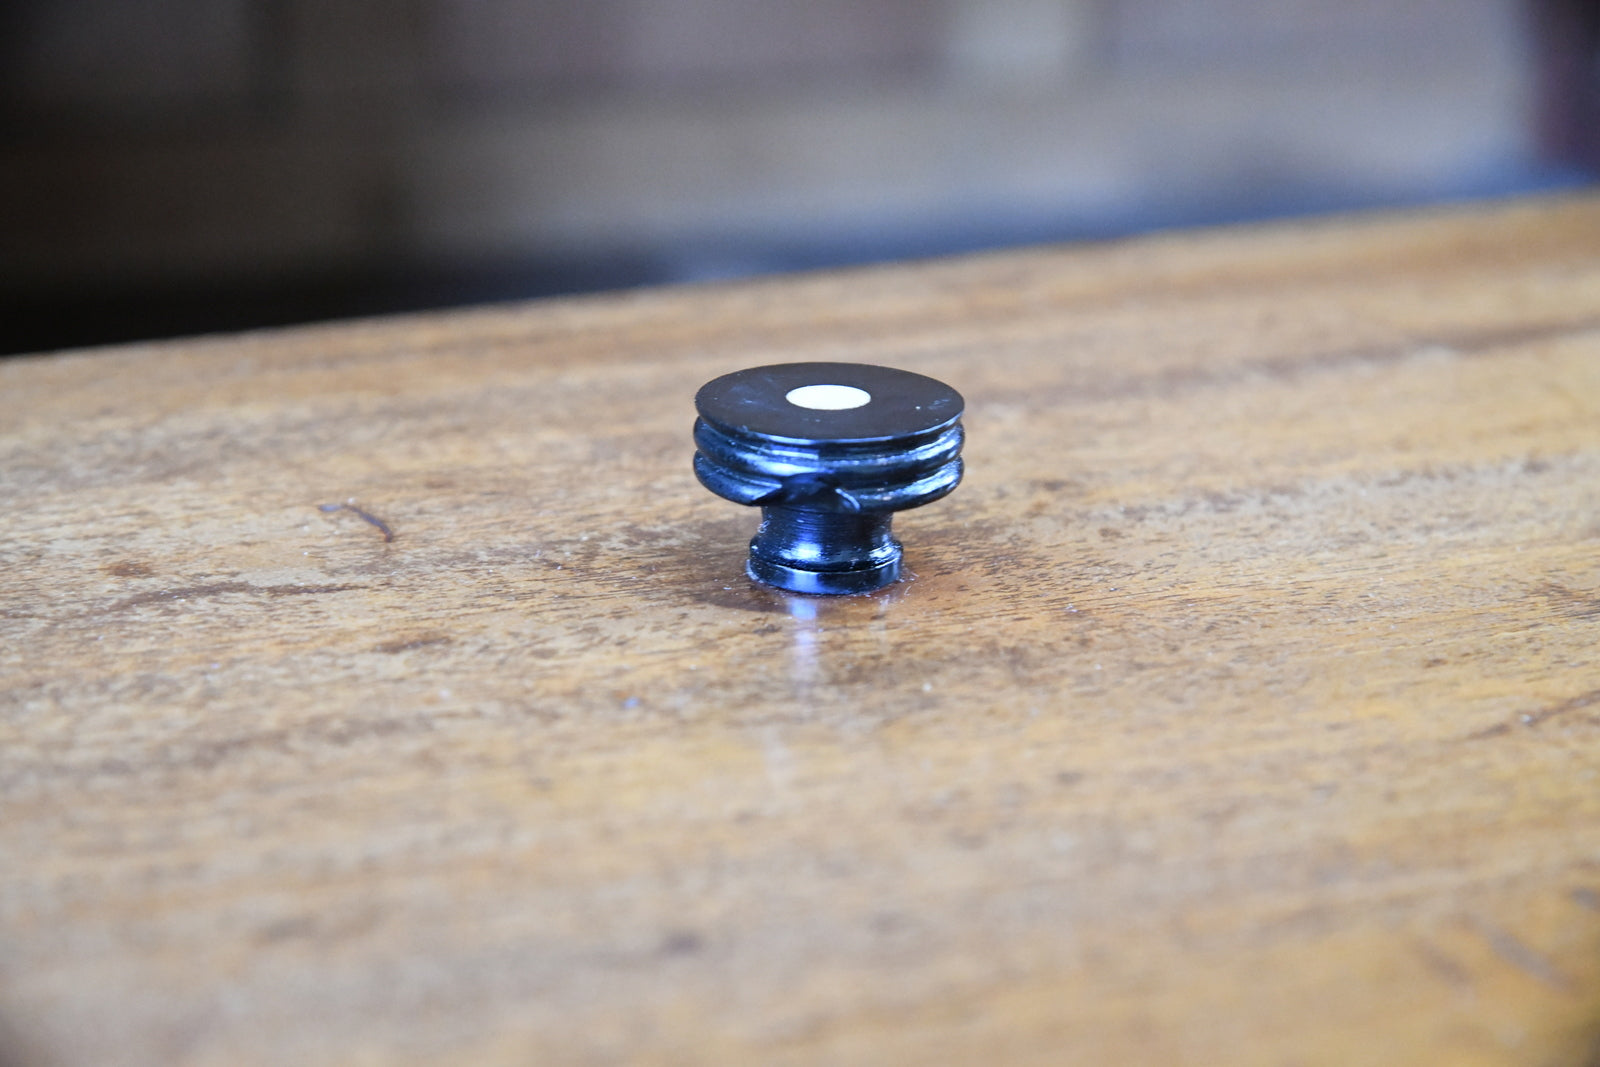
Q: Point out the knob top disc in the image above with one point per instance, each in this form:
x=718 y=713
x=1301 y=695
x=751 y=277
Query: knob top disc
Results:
x=828 y=402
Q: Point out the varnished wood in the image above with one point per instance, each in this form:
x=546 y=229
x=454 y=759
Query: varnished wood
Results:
x=1244 y=706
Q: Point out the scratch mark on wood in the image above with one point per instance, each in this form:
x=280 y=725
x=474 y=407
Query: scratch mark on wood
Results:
x=1569 y=604
x=1520 y=956
x=682 y=943
x=301 y=590
x=365 y=516
x=1443 y=965
x=406 y=644
x=201 y=592
x=1540 y=717
x=1577 y=703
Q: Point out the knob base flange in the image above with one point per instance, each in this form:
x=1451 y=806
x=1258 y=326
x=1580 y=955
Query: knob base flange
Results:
x=824 y=552
x=823 y=583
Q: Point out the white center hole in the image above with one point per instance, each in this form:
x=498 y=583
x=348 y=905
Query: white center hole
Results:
x=827 y=397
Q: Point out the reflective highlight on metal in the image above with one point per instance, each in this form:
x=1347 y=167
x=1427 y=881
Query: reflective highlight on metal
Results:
x=827 y=480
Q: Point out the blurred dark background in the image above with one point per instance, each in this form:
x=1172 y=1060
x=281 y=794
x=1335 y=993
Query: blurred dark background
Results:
x=178 y=166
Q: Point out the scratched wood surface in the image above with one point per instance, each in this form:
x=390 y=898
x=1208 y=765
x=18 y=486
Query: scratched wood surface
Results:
x=1244 y=706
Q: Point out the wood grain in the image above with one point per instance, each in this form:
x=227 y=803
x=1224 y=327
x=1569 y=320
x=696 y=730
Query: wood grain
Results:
x=1244 y=706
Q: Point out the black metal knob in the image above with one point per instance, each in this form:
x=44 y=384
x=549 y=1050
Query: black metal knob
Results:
x=828 y=451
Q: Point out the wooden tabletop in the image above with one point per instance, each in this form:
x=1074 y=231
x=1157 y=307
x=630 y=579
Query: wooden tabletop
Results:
x=390 y=693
